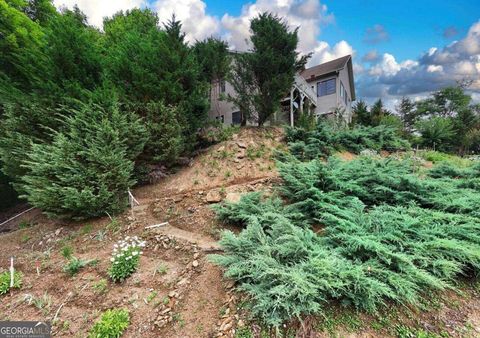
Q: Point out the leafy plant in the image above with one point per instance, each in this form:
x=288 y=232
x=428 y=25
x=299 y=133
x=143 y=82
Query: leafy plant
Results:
x=125 y=258
x=100 y=286
x=111 y=324
x=67 y=252
x=75 y=264
x=5 y=281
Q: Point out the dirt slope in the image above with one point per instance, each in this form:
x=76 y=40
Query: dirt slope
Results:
x=176 y=291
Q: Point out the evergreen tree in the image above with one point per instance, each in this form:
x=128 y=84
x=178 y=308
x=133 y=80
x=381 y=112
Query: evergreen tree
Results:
x=361 y=115
x=270 y=65
x=213 y=57
x=407 y=113
x=87 y=169
x=378 y=112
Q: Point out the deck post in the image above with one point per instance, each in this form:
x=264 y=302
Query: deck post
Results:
x=291 y=108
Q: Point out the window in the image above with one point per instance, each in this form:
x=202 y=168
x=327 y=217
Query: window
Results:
x=236 y=117
x=326 y=87
x=222 y=86
x=343 y=92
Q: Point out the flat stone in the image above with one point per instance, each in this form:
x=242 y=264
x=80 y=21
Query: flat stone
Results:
x=241 y=144
x=233 y=197
x=195 y=263
x=213 y=196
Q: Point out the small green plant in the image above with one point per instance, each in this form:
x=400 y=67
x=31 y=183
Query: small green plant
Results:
x=43 y=303
x=162 y=269
x=177 y=317
x=114 y=225
x=67 y=252
x=100 y=286
x=25 y=238
x=5 y=281
x=86 y=229
x=151 y=296
x=125 y=258
x=228 y=174
x=244 y=332
x=75 y=264
x=111 y=325
x=24 y=224
x=101 y=235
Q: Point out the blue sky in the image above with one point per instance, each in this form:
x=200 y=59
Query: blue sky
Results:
x=413 y=26
x=399 y=47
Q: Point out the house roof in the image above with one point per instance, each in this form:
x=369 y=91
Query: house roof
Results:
x=329 y=68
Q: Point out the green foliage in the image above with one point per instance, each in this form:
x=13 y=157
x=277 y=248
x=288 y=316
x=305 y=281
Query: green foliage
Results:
x=125 y=258
x=213 y=57
x=436 y=132
x=87 y=169
x=263 y=76
x=439 y=157
x=111 y=325
x=74 y=265
x=67 y=252
x=387 y=235
x=326 y=139
x=5 y=281
x=166 y=142
x=100 y=286
x=7 y=194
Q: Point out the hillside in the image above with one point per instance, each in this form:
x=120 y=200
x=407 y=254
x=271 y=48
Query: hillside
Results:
x=176 y=291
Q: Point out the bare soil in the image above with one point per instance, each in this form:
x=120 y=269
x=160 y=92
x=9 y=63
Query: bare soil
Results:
x=176 y=291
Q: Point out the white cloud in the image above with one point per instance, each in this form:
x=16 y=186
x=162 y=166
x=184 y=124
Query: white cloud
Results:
x=97 y=10
x=389 y=66
x=197 y=24
x=434 y=68
x=324 y=53
x=308 y=15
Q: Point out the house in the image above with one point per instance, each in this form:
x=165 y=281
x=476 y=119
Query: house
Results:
x=323 y=90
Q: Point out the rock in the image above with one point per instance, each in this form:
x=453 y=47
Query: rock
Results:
x=213 y=196
x=241 y=323
x=167 y=310
x=182 y=282
x=173 y=294
x=57 y=232
x=227 y=327
x=233 y=197
x=241 y=154
x=222 y=148
x=241 y=144
x=178 y=198
x=195 y=263
x=234 y=136
x=196 y=255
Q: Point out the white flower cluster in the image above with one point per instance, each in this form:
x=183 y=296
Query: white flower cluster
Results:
x=127 y=249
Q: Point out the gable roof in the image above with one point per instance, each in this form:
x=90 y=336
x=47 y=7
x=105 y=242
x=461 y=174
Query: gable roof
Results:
x=329 y=68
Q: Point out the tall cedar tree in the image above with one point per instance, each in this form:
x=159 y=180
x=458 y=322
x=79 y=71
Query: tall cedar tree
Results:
x=361 y=114
x=406 y=111
x=269 y=67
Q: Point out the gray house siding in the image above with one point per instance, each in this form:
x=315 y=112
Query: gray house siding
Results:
x=307 y=82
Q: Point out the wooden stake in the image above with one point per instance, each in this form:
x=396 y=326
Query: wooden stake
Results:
x=12 y=272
